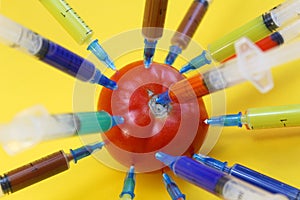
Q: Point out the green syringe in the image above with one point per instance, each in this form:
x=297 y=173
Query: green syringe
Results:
x=77 y=28
x=35 y=125
x=261 y=118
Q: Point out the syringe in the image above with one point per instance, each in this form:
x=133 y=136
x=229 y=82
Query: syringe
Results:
x=255 y=30
x=19 y=37
x=43 y=168
x=285 y=35
x=214 y=181
x=261 y=118
x=129 y=185
x=251 y=176
x=251 y=64
x=35 y=124
x=187 y=29
x=77 y=28
x=153 y=24
x=172 y=188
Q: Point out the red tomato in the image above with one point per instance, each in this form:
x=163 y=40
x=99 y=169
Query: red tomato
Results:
x=180 y=130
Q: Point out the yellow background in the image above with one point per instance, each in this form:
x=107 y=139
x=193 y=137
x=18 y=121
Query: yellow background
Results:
x=25 y=82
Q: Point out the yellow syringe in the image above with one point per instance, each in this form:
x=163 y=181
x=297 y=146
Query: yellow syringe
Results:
x=77 y=28
x=261 y=118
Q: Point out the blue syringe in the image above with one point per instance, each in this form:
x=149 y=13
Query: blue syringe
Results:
x=172 y=188
x=251 y=176
x=214 y=181
x=17 y=36
x=129 y=185
x=77 y=28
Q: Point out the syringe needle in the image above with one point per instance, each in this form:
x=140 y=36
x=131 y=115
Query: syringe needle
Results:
x=100 y=53
x=85 y=151
x=129 y=185
x=195 y=63
x=149 y=51
x=153 y=24
x=172 y=188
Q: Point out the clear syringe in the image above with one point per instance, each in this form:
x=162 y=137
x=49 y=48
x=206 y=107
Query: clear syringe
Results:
x=35 y=125
x=255 y=30
x=261 y=118
x=250 y=176
x=77 y=28
x=43 y=168
x=214 y=181
x=251 y=64
x=17 y=36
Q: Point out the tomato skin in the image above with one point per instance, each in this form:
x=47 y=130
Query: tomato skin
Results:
x=143 y=134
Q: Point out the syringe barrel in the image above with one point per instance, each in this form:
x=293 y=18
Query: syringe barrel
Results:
x=34 y=172
x=190 y=23
x=228 y=74
x=17 y=36
x=285 y=12
x=197 y=173
x=290 y=32
x=272 y=117
x=223 y=47
x=154 y=19
x=94 y=122
x=264 y=182
x=66 y=61
x=233 y=189
x=69 y=20
x=188 y=89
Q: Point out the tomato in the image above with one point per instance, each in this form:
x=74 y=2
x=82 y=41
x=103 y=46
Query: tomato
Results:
x=176 y=129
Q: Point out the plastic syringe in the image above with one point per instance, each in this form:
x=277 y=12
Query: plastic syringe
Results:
x=77 y=28
x=250 y=176
x=43 y=168
x=129 y=185
x=35 y=125
x=285 y=35
x=255 y=30
x=187 y=29
x=172 y=188
x=251 y=64
x=153 y=24
x=17 y=36
x=214 y=181
x=261 y=118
